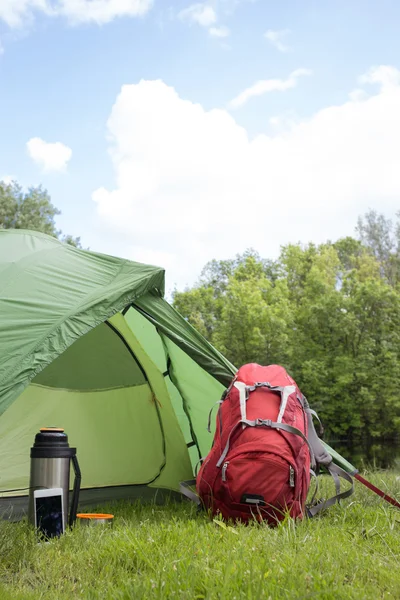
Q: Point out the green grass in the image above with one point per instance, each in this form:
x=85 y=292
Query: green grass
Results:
x=350 y=552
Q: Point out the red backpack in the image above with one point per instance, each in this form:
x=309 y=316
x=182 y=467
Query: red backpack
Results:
x=259 y=465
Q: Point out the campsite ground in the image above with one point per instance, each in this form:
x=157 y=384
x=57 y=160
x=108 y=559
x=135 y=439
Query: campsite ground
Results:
x=351 y=552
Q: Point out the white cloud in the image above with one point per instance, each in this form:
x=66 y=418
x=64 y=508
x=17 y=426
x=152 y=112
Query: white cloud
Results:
x=102 y=11
x=49 y=156
x=275 y=38
x=16 y=13
x=284 y=121
x=385 y=75
x=264 y=86
x=205 y=15
x=202 y=14
x=191 y=185
x=219 y=32
x=230 y=6
x=7 y=179
x=358 y=95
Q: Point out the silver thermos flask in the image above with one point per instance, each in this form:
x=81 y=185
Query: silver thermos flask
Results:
x=51 y=457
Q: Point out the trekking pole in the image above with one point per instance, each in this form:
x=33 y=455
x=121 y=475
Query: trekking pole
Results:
x=347 y=466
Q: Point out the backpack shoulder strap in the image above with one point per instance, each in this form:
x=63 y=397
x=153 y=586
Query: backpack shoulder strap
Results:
x=244 y=392
x=323 y=458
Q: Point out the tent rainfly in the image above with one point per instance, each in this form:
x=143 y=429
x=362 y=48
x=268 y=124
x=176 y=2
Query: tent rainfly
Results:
x=88 y=343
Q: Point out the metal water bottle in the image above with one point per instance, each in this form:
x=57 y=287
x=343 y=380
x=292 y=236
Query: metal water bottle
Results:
x=51 y=456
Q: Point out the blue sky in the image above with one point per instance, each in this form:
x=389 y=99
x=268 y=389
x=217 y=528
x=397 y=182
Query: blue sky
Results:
x=172 y=169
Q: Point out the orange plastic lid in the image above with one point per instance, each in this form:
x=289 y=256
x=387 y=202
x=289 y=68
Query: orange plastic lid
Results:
x=52 y=429
x=94 y=516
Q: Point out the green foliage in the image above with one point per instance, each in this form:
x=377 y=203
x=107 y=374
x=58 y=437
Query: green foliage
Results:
x=350 y=552
x=31 y=210
x=382 y=238
x=330 y=314
x=255 y=318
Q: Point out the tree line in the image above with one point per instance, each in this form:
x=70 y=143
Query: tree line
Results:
x=31 y=209
x=329 y=313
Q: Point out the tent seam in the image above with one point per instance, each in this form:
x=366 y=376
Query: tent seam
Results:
x=88 y=390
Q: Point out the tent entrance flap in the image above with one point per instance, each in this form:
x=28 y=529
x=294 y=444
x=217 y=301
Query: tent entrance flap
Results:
x=170 y=372
x=153 y=343
x=99 y=393
x=99 y=360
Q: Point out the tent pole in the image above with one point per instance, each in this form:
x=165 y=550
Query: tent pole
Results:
x=376 y=490
x=351 y=469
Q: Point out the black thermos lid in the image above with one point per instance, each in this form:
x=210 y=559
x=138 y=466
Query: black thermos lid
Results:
x=51 y=442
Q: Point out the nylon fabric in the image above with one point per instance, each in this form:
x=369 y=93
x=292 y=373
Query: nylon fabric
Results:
x=50 y=295
x=199 y=390
x=219 y=402
x=168 y=321
x=336 y=472
x=148 y=337
x=265 y=464
x=185 y=489
x=178 y=466
x=339 y=460
x=151 y=342
x=239 y=385
x=97 y=360
x=117 y=434
x=263 y=423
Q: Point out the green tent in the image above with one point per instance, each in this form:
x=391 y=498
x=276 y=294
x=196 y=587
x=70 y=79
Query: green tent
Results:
x=88 y=343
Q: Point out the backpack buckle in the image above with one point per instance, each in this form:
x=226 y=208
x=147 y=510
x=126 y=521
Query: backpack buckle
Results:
x=266 y=422
x=253 y=388
x=262 y=384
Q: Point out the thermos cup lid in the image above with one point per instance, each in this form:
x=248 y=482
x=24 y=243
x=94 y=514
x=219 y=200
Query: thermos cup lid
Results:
x=58 y=429
x=52 y=442
x=95 y=518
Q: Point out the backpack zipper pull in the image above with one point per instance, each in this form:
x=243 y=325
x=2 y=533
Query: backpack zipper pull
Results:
x=291 y=476
x=224 y=468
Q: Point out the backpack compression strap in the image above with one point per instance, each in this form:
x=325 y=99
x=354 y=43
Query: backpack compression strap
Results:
x=184 y=488
x=323 y=458
x=336 y=472
x=263 y=423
